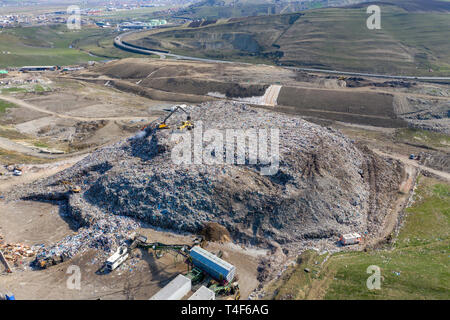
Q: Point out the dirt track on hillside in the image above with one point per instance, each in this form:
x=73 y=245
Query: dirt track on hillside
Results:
x=30 y=106
x=415 y=164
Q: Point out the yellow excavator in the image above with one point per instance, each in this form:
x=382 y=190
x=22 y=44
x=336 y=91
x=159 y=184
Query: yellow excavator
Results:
x=188 y=124
x=73 y=188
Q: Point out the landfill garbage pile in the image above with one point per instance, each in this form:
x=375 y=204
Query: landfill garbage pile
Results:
x=105 y=234
x=323 y=186
x=15 y=252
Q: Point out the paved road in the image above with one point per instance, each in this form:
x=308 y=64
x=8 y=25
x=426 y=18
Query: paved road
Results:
x=119 y=43
x=126 y=46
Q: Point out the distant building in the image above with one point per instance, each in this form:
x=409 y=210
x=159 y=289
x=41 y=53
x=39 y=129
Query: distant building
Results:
x=157 y=22
x=37 y=68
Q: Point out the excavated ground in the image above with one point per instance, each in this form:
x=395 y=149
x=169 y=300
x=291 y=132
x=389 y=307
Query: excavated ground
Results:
x=325 y=185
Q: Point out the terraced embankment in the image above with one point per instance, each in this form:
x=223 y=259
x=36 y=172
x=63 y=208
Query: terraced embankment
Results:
x=376 y=109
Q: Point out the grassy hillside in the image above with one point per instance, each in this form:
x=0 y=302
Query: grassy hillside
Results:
x=248 y=39
x=5 y=105
x=410 y=42
x=51 y=45
x=415 y=267
x=219 y=9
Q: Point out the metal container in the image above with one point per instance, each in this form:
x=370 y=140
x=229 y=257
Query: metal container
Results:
x=203 y=294
x=174 y=290
x=212 y=264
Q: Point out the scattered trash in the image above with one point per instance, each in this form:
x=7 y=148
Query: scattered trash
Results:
x=15 y=252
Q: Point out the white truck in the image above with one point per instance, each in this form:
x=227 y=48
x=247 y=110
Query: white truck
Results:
x=117 y=258
x=350 y=238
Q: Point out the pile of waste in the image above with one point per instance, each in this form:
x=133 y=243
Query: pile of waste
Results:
x=15 y=252
x=312 y=183
x=105 y=234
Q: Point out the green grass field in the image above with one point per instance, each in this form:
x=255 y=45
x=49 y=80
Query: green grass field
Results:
x=423 y=137
x=140 y=14
x=5 y=105
x=408 y=42
x=56 y=45
x=8 y=157
x=219 y=9
x=415 y=266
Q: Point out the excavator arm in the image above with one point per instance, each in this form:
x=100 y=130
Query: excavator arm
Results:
x=185 y=124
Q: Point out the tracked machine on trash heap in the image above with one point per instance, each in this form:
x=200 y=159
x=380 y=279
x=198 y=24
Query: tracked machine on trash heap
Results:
x=186 y=124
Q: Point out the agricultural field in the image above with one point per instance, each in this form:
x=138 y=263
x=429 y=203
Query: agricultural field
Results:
x=140 y=14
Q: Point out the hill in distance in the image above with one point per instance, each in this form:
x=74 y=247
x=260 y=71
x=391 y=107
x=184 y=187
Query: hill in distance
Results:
x=219 y=9
x=413 y=39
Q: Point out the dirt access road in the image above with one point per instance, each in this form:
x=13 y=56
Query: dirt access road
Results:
x=32 y=173
x=7 y=144
x=320 y=285
x=413 y=163
x=271 y=95
x=27 y=105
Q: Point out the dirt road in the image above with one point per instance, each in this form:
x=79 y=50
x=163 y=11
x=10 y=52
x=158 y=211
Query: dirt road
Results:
x=34 y=172
x=7 y=144
x=27 y=105
x=271 y=95
x=413 y=163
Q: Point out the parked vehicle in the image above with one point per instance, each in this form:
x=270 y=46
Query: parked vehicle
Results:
x=350 y=238
x=117 y=258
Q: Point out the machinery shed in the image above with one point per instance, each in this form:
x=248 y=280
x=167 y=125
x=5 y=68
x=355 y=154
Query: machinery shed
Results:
x=212 y=264
x=174 y=290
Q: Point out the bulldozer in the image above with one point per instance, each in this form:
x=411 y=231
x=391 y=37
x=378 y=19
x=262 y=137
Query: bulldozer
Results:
x=46 y=262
